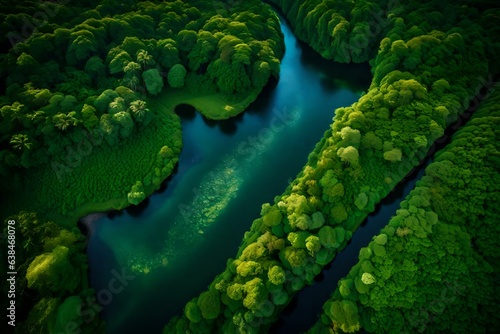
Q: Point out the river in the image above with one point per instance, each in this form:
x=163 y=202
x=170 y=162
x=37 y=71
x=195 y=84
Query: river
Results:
x=179 y=239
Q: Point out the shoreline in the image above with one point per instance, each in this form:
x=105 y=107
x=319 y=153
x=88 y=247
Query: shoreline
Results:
x=85 y=223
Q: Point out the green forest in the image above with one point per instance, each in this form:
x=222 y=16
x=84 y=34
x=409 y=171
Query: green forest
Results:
x=88 y=124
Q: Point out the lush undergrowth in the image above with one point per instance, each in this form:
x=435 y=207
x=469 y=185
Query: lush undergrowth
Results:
x=435 y=266
x=425 y=75
x=51 y=286
x=63 y=80
x=94 y=174
x=86 y=121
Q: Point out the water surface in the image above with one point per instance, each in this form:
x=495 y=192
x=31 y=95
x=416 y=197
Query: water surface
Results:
x=180 y=238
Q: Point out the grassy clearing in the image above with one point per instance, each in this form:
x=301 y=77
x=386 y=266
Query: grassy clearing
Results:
x=213 y=106
x=100 y=180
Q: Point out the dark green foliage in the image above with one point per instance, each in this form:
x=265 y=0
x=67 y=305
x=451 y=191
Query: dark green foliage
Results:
x=425 y=74
x=102 y=49
x=434 y=267
x=76 y=81
x=153 y=81
x=51 y=276
x=177 y=76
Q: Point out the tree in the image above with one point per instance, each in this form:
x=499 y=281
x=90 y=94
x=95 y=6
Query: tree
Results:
x=64 y=121
x=393 y=155
x=248 y=268
x=118 y=63
x=313 y=244
x=95 y=67
x=261 y=72
x=102 y=102
x=153 y=81
x=349 y=154
x=169 y=55
x=145 y=59
x=368 y=278
x=317 y=220
x=52 y=271
x=256 y=294
x=276 y=275
x=82 y=47
x=361 y=201
x=132 y=45
x=209 y=304
x=139 y=109
x=26 y=63
x=125 y=123
x=294 y=257
x=370 y=140
x=177 y=76
x=350 y=136
x=186 y=40
x=298 y=239
x=192 y=312
x=136 y=194
x=339 y=213
x=132 y=68
x=21 y=142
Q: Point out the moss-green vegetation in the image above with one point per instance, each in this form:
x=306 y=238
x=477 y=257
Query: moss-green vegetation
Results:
x=86 y=113
x=212 y=105
x=75 y=85
x=51 y=281
x=425 y=74
x=92 y=172
x=435 y=266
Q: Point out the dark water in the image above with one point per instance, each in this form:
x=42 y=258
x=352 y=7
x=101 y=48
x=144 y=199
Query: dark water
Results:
x=174 y=244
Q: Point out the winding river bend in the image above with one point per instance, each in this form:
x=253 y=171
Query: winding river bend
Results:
x=174 y=244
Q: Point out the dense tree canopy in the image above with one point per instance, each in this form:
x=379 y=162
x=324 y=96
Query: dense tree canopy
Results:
x=424 y=78
x=434 y=266
x=80 y=127
x=83 y=85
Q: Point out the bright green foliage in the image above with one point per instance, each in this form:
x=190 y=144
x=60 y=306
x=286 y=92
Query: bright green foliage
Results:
x=235 y=291
x=256 y=250
x=434 y=267
x=345 y=314
x=119 y=62
x=256 y=294
x=381 y=239
x=276 y=275
x=411 y=48
x=298 y=239
x=272 y=217
x=52 y=271
x=350 y=136
x=313 y=244
x=294 y=257
x=339 y=213
x=129 y=46
x=394 y=155
x=248 y=268
x=349 y=154
x=136 y=194
x=368 y=278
